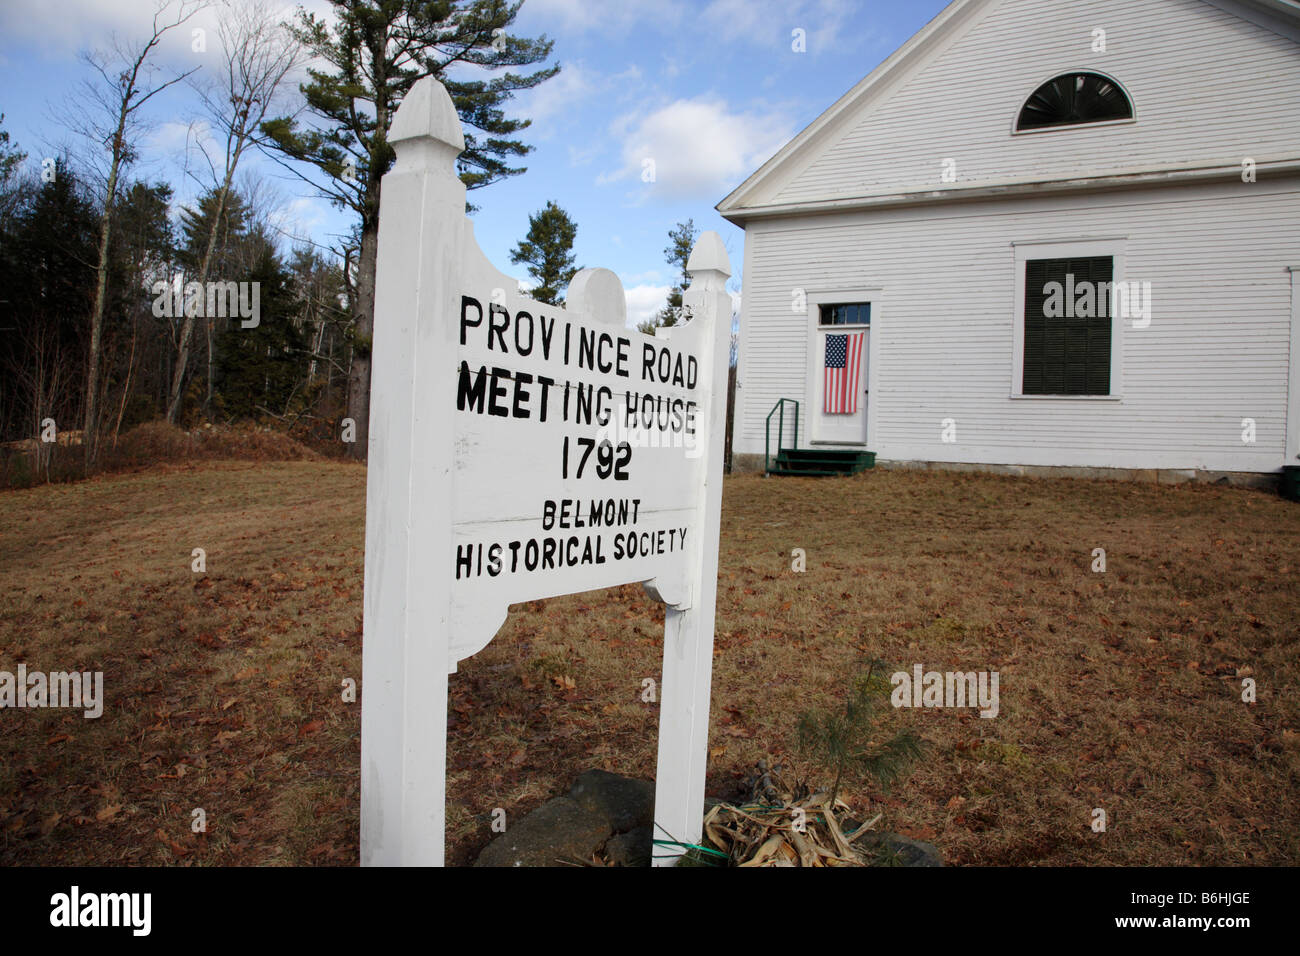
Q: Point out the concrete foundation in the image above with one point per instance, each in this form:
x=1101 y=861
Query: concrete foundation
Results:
x=751 y=464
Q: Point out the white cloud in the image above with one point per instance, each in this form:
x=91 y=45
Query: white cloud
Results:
x=582 y=16
x=581 y=156
x=643 y=301
x=58 y=28
x=563 y=101
x=175 y=137
x=556 y=98
x=306 y=214
x=769 y=22
x=697 y=148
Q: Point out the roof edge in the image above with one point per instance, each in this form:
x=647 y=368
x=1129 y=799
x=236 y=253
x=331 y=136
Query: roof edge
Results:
x=918 y=44
x=1018 y=187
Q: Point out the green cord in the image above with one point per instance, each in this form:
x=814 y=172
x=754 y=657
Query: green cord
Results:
x=690 y=846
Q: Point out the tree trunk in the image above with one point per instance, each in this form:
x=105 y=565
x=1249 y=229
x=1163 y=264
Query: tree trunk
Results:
x=207 y=394
x=126 y=389
x=187 y=328
x=364 y=314
x=91 y=425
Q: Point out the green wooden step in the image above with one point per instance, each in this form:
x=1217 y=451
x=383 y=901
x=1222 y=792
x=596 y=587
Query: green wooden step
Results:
x=821 y=461
x=1290 y=487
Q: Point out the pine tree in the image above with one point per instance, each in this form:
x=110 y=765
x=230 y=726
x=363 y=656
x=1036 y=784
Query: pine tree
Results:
x=10 y=156
x=196 y=226
x=681 y=240
x=848 y=736
x=375 y=52
x=135 y=341
x=548 y=250
x=47 y=275
x=258 y=369
x=11 y=162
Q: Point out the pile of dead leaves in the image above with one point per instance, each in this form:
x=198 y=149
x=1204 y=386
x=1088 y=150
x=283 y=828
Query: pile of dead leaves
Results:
x=786 y=826
x=810 y=832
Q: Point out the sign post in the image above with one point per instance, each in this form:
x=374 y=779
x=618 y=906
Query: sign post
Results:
x=520 y=451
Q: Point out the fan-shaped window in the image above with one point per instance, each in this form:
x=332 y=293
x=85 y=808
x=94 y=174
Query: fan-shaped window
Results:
x=1074 y=98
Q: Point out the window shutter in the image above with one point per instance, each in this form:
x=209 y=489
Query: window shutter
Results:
x=1067 y=354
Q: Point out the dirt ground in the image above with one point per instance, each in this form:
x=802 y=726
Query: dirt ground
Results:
x=224 y=690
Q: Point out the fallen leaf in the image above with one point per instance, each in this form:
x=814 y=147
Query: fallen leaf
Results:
x=310 y=728
x=176 y=848
x=107 y=813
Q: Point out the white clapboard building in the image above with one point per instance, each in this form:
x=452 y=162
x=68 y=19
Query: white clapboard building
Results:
x=1061 y=233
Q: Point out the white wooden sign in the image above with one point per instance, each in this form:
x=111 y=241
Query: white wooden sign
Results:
x=520 y=451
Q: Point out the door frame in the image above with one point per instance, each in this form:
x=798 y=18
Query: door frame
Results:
x=831 y=296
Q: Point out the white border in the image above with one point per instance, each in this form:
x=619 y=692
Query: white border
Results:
x=834 y=296
x=1023 y=251
x=1291 y=453
x=1055 y=129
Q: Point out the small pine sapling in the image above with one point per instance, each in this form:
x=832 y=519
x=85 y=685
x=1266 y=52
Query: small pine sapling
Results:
x=846 y=736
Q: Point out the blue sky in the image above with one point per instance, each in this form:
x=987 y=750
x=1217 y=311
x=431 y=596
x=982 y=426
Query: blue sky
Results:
x=707 y=90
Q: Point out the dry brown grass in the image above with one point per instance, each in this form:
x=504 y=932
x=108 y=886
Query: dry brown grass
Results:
x=155 y=442
x=1118 y=690
x=222 y=689
x=151 y=445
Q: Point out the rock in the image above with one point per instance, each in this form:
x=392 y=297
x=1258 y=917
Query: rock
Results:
x=633 y=848
x=624 y=802
x=559 y=830
x=898 y=850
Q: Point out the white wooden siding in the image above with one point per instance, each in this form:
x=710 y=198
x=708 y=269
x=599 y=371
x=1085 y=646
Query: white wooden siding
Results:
x=1209 y=87
x=1216 y=351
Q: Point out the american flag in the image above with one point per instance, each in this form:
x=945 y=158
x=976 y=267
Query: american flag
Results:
x=843 y=367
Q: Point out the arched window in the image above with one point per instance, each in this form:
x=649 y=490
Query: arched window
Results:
x=1074 y=98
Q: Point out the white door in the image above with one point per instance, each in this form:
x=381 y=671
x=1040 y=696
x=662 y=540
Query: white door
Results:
x=840 y=380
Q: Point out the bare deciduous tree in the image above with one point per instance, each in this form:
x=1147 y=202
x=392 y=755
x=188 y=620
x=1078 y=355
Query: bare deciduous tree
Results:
x=259 y=53
x=111 y=121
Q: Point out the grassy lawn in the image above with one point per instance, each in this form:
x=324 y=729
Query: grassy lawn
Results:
x=1119 y=690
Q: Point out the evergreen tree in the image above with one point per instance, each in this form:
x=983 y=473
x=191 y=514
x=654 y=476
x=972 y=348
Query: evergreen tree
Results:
x=681 y=240
x=548 y=250
x=11 y=161
x=375 y=52
x=196 y=227
x=135 y=342
x=10 y=156
x=146 y=244
x=47 y=280
x=849 y=736
x=258 y=369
